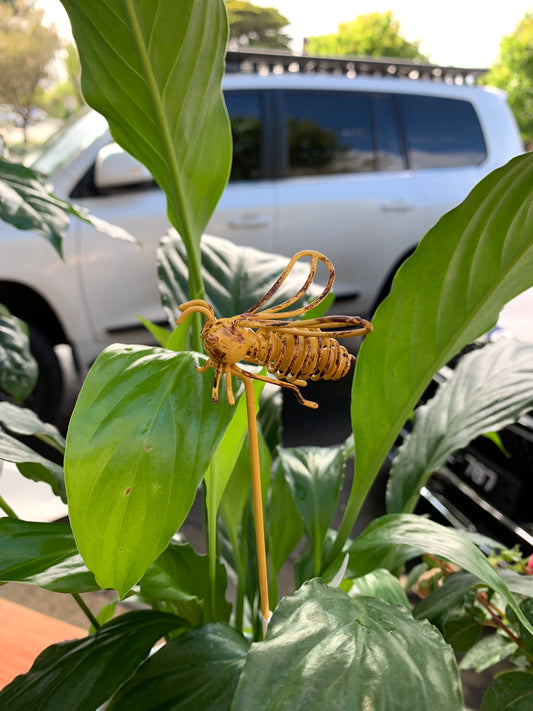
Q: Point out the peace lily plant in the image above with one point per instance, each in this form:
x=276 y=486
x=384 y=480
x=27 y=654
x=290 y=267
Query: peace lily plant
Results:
x=145 y=434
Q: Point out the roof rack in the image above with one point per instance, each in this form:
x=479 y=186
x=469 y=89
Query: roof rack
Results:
x=266 y=62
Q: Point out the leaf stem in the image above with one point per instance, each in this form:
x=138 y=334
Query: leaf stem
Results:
x=6 y=508
x=92 y=619
x=498 y=622
x=211 y=512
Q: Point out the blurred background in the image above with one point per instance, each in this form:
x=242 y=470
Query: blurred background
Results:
x=39 y=67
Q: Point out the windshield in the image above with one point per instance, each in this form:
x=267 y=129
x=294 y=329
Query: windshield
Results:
x=69 y=141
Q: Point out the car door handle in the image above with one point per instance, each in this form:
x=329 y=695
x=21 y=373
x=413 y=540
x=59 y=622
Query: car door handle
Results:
x=250 y=221
x=397 y=206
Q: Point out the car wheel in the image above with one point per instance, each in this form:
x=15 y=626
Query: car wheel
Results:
x=47 y=396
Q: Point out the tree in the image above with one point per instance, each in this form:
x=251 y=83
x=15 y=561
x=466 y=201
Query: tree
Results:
x=372 y=35
x=254 y=26
x=26 y=49
x=65 y=98
x=513 y=72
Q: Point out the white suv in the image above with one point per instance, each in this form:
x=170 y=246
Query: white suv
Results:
x=358 y=168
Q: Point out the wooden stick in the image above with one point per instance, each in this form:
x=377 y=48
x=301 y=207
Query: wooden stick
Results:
x=257 y=499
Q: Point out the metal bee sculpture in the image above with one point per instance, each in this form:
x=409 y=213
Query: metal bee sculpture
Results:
x=293 y=351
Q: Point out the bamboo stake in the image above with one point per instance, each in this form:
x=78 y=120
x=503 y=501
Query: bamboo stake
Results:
x=257 y=501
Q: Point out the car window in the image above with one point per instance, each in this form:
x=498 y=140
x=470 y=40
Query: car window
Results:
x=328 y=132
x=441 y=132
x=68 y=142
x=245 y=114
x=389 y=153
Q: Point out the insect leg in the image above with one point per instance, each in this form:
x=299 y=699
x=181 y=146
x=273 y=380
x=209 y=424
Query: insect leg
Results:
x=229 y=387
x=240 y=372
x=216 y=382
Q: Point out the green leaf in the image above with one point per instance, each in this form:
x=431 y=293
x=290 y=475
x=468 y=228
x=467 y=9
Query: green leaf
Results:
x=314 y=476
x=270 y=408
x=236 y=495
x=85 y=673
x=285 y=525
x=43 y=554
x=462 y=629
x=198 y=670
x=325 y=650
x=18 y=368
x=27 y=204
x=140 y=439
x=452 y=592
x=445 y=598
x=379 y=583
x=31 y=464
x=181 y=576
x=227 y=452
x=489 y=651
x=235 y=277
x=424 y=536
x=21 y=421
x=473 y=261
x=526 y=637
x=509 y=691
x=160 y=334
x=154 y=70
x=489 y=389
x=519 y=584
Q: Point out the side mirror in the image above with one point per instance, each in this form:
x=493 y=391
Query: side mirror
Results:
x=115 y=168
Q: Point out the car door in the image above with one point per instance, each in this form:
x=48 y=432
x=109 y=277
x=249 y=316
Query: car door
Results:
x=345 y=190
x=120 y=279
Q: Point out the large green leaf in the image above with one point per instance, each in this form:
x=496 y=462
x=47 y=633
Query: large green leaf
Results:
x=509 y=691
x=140 y=439
x=314 y=476
x=235 y=277
x=474 y=260
x=43 y=554
x=422 y=535
x=325 y=650
x=18 y=369
x=154 y=70
x=27 y=203
x=489 y=389
x=197 y=671
x=85 y=673
x=180 y=576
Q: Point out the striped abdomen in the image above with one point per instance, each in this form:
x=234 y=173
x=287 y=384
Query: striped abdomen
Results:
x=293 y=357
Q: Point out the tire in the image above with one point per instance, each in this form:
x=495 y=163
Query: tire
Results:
x=47 y=396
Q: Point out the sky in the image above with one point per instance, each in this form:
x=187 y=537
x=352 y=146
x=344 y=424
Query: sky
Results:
x=463 y=33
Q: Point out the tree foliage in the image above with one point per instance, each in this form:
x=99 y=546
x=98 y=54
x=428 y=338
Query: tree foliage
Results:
x=513 y=72
x=374 y=34
x=65 y=98
x=254 y=26
x=26 y=49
